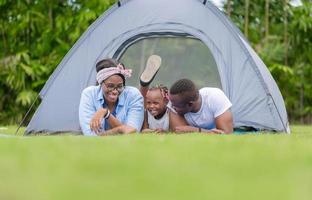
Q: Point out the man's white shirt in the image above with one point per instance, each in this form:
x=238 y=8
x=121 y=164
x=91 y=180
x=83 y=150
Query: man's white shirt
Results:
x=214 y=103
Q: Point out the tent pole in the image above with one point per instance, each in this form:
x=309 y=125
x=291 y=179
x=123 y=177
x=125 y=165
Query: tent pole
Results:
x=32 y=105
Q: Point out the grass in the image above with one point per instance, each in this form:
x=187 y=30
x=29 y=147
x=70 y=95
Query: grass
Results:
x=191 y=166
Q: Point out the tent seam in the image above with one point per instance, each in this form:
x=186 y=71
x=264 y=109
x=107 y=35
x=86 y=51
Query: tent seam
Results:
x=80 y=41
x=230 y=26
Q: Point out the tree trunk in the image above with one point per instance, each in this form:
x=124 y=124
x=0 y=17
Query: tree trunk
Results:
x=28 y=31
x=286 y=31
x=51 y=16
x=301 y=103
x=246 y=18
x=228 y=8
x=267 y=20
x=5 y=47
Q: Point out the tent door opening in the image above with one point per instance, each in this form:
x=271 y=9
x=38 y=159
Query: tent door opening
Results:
x=183 y=56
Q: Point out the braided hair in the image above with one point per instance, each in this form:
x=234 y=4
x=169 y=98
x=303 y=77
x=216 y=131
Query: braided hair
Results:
x=163 y=90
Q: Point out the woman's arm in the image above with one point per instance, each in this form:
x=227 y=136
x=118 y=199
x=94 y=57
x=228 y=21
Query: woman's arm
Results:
x=86 y=112
x=113 y=121
x=134 y=116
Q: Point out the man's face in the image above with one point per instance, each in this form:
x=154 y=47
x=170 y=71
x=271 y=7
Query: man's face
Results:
x=179 y=104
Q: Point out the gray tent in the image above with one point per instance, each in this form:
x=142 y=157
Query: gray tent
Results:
x=195 y=41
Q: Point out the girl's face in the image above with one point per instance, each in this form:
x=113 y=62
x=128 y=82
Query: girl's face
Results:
x=155 y=103
x=112 y=88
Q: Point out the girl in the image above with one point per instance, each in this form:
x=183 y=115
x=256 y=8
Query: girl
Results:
x=158 y=117
x=157 y=113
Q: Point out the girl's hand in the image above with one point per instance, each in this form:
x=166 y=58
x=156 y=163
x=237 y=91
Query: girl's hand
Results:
x=159 y=130
x=186 y=129
x=147 y=130
x=95 y=123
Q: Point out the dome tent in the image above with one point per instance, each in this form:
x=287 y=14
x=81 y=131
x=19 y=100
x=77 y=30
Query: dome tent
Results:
x=195 y=41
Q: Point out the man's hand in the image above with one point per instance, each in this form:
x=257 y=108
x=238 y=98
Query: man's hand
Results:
x=217 y=131
x=186 y=129
x=95 y=123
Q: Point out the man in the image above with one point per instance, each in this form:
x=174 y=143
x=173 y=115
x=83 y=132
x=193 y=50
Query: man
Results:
x=205 y=110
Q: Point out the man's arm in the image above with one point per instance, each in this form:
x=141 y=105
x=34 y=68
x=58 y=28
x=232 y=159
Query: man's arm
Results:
x=224 y=122
x=175 y=121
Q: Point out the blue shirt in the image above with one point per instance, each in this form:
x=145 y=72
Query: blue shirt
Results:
x=129 y=109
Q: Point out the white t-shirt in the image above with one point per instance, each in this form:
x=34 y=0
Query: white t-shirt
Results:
x=214 y=103
x=162 y=123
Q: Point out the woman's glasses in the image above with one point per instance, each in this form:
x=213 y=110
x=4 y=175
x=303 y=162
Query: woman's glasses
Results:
x=111 y=87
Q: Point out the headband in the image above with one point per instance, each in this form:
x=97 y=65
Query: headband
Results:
x=103 y=74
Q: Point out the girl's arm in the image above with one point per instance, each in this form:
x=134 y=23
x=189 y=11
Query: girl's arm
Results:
x=145 y=123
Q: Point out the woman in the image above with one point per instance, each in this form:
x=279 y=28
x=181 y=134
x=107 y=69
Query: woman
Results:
x=111 y=107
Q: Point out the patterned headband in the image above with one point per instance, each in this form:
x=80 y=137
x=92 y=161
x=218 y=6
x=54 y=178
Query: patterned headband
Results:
x=103 y=74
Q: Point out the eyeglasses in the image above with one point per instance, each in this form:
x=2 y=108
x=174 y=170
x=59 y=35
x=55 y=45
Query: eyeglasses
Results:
x=111 y=87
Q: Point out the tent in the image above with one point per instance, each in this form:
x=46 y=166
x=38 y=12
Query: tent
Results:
x=195 y=40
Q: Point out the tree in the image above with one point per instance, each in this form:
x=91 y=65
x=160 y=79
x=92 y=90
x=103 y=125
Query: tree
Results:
x=281 y=36
x=33 y=43
x=246 y=17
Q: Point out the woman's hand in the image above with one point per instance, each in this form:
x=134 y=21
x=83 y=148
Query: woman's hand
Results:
x=95 y=123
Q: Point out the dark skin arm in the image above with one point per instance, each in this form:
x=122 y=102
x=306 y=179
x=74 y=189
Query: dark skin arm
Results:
x=145 y=123
x=224 y=124
x=95 y=123
x=117 y=126
x=175 y=121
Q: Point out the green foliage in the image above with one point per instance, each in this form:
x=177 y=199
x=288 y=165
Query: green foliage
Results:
x=34 y=37
x=286 y=52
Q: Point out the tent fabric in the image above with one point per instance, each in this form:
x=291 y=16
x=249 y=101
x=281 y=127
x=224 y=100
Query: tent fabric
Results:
x=256 y=99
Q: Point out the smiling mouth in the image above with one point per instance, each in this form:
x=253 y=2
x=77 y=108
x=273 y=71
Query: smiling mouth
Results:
x=112 y=96
x=153 y=112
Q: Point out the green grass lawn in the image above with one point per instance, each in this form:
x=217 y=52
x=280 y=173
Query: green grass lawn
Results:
x=189 y=166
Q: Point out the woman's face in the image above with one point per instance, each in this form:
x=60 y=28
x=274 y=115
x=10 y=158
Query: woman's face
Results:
x=155 y=103
x=112 y=88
